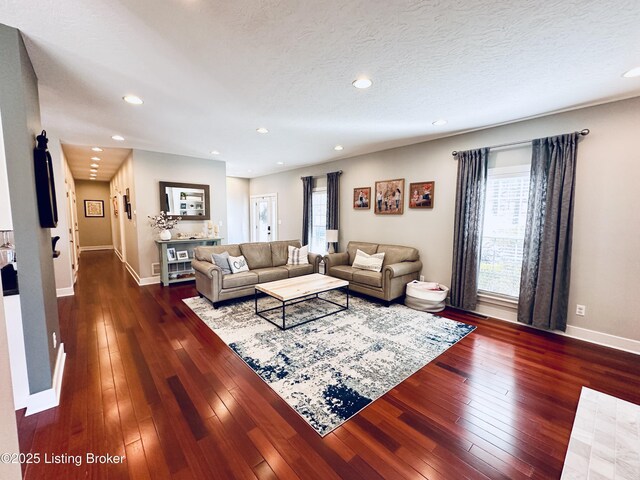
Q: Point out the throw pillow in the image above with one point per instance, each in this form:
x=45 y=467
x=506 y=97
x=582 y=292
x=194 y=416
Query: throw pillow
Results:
x=298 y=256
x=222 y=260
x=365 y=261
x=238 y=264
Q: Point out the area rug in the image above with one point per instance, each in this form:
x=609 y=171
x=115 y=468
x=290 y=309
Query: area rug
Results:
x=605 y=439
x=329 y=369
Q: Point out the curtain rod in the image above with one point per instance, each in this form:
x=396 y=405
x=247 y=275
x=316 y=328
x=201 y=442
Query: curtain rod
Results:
x=584 y=132
x=318 y=176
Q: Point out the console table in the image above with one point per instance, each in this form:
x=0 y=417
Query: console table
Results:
x=180 y=269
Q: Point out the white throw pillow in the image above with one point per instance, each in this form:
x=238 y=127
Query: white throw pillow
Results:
x=365 y=261
x=238 y=264
x=298 y=256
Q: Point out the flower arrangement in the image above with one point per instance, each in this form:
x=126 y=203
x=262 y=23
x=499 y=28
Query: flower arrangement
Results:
x=163 y=221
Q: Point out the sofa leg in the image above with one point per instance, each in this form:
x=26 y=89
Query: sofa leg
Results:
x=387 y=303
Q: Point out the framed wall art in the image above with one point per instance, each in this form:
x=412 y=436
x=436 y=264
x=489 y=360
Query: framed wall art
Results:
x=94 y=208
x=389 y=197
x=362 y=198
x=421 y=194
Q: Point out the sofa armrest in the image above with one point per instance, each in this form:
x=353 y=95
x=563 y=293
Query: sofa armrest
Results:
x=402 y=268
x=206 y=268
x=333 y=259
x=314 y=259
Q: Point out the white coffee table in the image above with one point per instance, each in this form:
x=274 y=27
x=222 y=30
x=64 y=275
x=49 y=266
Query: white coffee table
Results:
x=291 y=291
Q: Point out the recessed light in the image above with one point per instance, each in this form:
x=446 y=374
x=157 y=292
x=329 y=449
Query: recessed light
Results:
x=118 y=138
x=362 y=83
x=95 y=159
x=95 y=165
x=93 y=170
x=280 y=163
x=215 y=152
x=133 y=100
x=96 y=149
x=634 y=72
x=92 y=178
x=338 y=147
x=262 y=130
x=439 y=122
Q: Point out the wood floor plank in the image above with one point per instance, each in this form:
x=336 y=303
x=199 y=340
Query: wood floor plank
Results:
x=147 y=379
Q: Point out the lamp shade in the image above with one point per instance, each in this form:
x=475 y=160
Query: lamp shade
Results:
x=332 y=236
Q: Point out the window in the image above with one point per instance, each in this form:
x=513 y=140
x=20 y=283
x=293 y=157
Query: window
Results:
x=318 y=241
x=505 y=217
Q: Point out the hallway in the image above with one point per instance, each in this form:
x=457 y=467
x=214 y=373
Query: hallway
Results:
x=147 y=380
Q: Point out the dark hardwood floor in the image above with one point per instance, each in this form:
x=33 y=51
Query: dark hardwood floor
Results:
x=145 y=378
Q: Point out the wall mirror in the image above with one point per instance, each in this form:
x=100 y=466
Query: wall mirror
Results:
x=187 y=200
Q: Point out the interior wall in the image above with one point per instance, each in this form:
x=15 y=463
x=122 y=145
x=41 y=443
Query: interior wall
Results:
x=20 y=109
x=121 y=181
x=94 y=231
x=238 y=210
x=606 y=257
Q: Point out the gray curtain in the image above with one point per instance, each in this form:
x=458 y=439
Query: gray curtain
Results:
x=467 y=236
x=546 y=265
x=307 y=192
x=333 y=202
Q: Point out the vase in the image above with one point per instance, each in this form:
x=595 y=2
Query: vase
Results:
x=165 y=235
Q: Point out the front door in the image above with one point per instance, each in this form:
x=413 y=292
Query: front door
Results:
x=264 y=223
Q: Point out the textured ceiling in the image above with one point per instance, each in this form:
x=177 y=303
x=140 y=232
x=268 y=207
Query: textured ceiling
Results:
x=79 y=159
x=211 y=72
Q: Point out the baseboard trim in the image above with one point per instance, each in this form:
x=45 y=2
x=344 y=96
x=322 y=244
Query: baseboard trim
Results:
x=97 y=247
x=65 y=292
x=41 y=401
x=118 y=254
x=141 y=281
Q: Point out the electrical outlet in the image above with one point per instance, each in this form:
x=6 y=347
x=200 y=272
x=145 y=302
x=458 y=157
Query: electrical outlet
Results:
x=54 y=339
x=581 y=310
x=422 y=278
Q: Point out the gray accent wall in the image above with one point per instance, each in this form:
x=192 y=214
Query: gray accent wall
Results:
x=606 y=257
x=20 y=111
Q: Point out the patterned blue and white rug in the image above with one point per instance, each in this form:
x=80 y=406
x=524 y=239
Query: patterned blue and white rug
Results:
x=328 y=370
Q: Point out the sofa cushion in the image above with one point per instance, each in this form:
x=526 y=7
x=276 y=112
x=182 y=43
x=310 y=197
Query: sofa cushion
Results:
x=271 y=274
x=238 y=264
x=222 y=260
x=396 y=254
x=365 y=261
x=298 y=256
x=204 y=253
x=344 y=272
x=243 y=279
x=280 y=251
x=366 y=247
x=298 y=270
x=365 y=277
x=258 y=255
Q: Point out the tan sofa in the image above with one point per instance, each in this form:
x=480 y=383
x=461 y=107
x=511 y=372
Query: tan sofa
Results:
x=267 y=262
x=401 y=265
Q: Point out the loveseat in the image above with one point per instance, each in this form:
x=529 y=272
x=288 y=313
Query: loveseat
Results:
x=401 y=265
x=267 y=262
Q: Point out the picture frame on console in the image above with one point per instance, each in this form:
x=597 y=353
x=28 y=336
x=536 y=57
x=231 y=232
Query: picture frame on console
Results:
x=389 y=197
x=183 y=255
x=362 y=198
x=421 y=194
x=171 y=254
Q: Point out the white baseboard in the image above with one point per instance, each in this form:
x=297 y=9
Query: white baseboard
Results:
x=141 y=281
x=119 y=255
x=38 y=402
x=96 y=247
x=605 y=339
x=65 y=292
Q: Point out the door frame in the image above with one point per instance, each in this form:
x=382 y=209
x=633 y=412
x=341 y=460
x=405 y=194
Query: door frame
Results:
x=252 y=215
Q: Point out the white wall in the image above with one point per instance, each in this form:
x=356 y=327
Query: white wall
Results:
x=121 y=181
x=6 y=222
x=238 y=210
x=606 y=257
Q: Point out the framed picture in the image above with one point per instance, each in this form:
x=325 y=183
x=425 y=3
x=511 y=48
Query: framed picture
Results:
x=115 y=206
x=389 y=197
x=183 y=206
x=421 y=194
x=183 y=255
x=362 y=198
x=171 y=254
x=94 y=208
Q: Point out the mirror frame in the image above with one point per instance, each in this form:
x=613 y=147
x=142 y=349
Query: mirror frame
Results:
x=163 y=199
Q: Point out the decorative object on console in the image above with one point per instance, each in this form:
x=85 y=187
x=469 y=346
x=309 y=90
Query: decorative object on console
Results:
x=389 y=196
x=362 y=198
x=216 y=231
x=331 y=369
x=298 y=256
x=421 y=194
x=94 y=208
x=332 y=238
x=191 y=236
x=238 y=264
x=163 y=223
x=182 y=255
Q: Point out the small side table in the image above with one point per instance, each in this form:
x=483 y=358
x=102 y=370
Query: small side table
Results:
x=180 y=269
